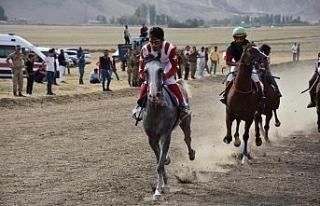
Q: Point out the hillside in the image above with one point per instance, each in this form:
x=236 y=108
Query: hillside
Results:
x=80 y=11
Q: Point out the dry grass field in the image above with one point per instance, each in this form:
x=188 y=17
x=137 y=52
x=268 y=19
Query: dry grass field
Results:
x=97 y=38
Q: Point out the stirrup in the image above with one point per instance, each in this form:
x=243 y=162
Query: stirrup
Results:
x=137 y=113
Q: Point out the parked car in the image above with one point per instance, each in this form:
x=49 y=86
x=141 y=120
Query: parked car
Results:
x=87 y=56
x=45 y=51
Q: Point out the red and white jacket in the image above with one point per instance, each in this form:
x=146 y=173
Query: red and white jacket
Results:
x=168 y=58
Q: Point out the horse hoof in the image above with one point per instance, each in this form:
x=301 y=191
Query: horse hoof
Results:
x=227 y=140
x=167 y=161
x=258 y=142
x=237 y=143
x=192 y=155
x=157 y=197
x=277 y=124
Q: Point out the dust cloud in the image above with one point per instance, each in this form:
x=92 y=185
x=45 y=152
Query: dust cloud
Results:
x=212 y=155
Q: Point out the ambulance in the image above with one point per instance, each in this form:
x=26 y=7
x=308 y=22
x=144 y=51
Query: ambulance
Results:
x=7 y=46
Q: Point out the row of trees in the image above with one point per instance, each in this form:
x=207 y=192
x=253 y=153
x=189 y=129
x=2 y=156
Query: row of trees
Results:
x=147 y=13
x=267 y=19
x=3 y=17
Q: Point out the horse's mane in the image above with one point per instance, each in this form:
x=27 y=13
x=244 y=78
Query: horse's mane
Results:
x=150 y=58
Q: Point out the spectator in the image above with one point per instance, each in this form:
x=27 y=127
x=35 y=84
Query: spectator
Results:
x=186 y=64
x=135 y=68
x=30 y=73
x=82 y=63
x=214 y=57
x=144 y=31
x=40 y=74
x=49 y=60
x=94 y=76
x=128 y=56
x=206 y=50
x=201 y=56
x=66 y=56
x=56 y=74
x=62 y=65
x=294 y=50
x=16 y=65
x=127 y=35
x=105 y=65
x=193 y=62
x=298 y=51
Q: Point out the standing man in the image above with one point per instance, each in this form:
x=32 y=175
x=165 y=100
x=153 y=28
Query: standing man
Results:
x=144 y=31
x=294 y=50
x=135 y=68
x=202 y=56
x=127 y=35
x=62 y=65
x=214 y=57
x=186 y=54
x=49 y=60
x=30 y=73
x=105 y=66
x=82 y=64
x=128 y=57
x=193 y=62
x=16 y=65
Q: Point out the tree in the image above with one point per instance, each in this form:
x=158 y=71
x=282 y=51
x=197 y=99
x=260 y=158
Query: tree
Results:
x=102 y=19
x=152 y=14
x=2 y=14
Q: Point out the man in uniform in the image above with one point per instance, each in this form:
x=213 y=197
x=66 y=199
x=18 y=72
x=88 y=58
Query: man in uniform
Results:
x=16 y=65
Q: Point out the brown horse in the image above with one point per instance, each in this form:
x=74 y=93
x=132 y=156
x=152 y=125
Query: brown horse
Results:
x=271 y=106
x=243 y=99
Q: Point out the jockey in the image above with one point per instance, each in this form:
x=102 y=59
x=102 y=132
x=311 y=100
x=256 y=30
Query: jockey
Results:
x=266 y=49
x=158 y=47
x=312 y=80
x=233 y=55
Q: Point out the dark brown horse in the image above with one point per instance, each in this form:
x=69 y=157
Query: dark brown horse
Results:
x=243 y=100
x=271 y=106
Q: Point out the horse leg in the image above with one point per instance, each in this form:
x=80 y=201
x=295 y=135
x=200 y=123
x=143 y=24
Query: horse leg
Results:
x=154 y=144
x=185 y=126
x=278 y=123
x=237 y=141
x=229 y=119
x=162 y=175
x=245 y=140
x=267 y=125
x=257 y=122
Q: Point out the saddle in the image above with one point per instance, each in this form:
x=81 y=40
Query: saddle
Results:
x=143 y=100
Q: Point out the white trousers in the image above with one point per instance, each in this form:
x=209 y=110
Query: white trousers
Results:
x=254 y=75
x=61 y=72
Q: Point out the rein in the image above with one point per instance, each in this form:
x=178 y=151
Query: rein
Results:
x=239 y=91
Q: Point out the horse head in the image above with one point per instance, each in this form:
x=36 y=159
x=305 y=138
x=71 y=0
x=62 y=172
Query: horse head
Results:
x=251 y=53
x=155 y=78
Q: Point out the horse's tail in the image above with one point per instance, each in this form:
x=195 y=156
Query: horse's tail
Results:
x=186 y=87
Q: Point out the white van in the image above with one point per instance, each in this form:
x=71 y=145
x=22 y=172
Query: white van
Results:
x=7 y=46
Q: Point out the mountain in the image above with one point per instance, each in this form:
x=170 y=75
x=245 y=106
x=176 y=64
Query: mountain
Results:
x=80 y=11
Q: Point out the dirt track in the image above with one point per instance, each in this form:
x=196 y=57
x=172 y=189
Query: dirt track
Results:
x=85 y=150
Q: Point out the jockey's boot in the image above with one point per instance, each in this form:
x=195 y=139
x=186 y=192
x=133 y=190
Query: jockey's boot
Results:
x=262 y=97
x=312 y=103
x=184 y=110
x=278 y=93
x=223 y=98
x=312 y=93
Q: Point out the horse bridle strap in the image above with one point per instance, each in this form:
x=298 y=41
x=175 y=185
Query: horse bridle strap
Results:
x=242 y=92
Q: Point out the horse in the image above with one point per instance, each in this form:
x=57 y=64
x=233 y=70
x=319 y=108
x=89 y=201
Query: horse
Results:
x=160 y=117
x=243 y=100
x=271 y=106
